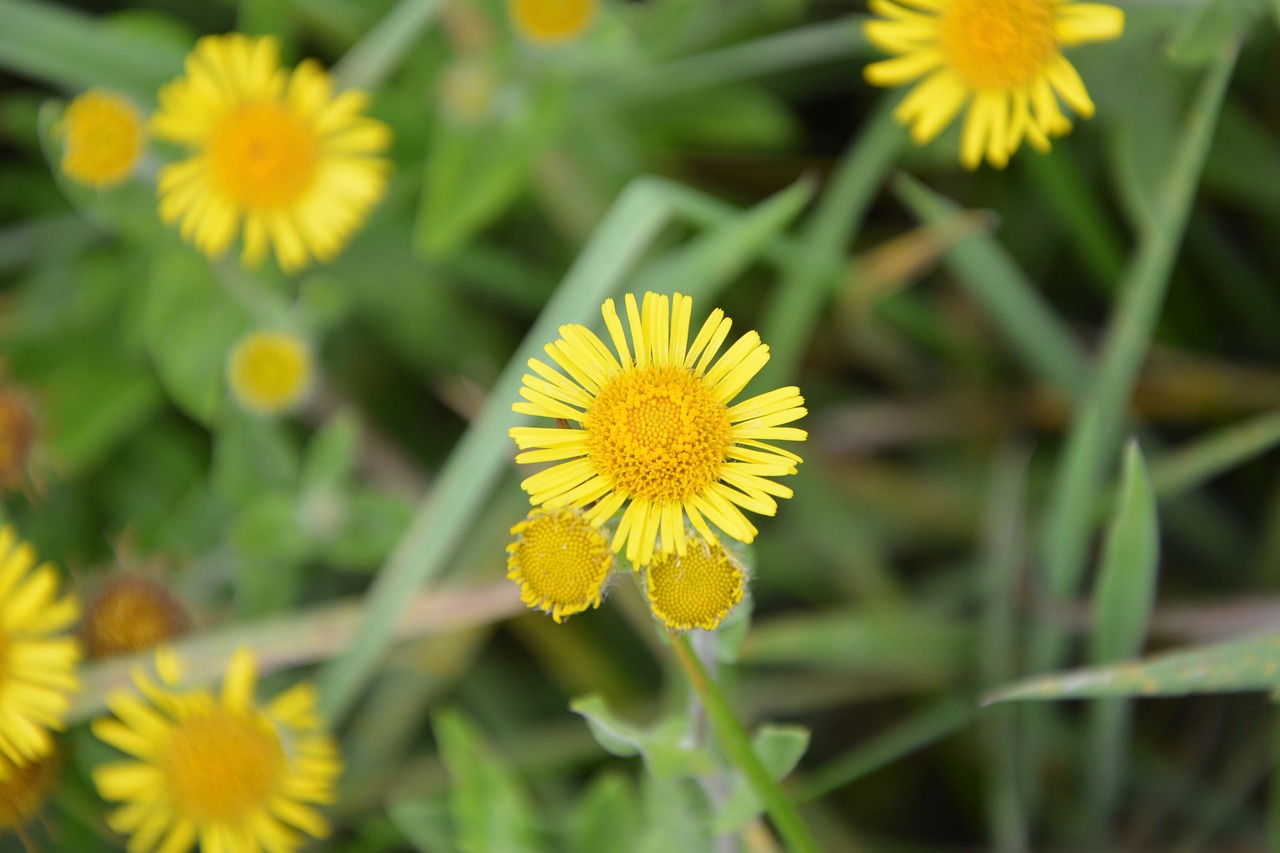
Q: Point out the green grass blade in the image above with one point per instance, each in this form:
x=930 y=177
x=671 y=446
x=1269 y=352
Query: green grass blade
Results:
x=379 y=53
x=1122 y=601
x=1191 y=466
x=809 y=283
x=1096 y=428
x=1024 y=318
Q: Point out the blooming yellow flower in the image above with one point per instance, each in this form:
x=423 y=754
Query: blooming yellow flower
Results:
x=657 y=431
x=1001 y=58
x=102 y=138
x=547 y=21
x=225 y=771
x=276 y=150
x=130 y=613
x=270 y=372
x=696 y=589
x=37 y=659
x=560 y=561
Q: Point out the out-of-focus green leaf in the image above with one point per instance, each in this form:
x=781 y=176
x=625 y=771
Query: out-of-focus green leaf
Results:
x=663 y=746
x=474 y=171
x=267 y=529
x=331 y=456
x=607 y=816
x=252 y=455
x=491 y=812
x=425 y=823
x=190 y=326
x=1207 y=26
x=676 y=819
x=372 y=524
x=780 y=749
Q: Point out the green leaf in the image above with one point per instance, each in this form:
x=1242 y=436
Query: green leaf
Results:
x=372 y=524
x=780 y=749
x=1208 y=26
x=190 y=325
x=267 y=530
x=676 y=819
x=331 y=455
x=607 y=817
x=473 y=172
x=425 y=823
x=252 y=455
x=662 y=746
x=491 y=812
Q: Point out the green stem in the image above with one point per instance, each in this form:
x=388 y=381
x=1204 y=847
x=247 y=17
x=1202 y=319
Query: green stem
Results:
x=737 y=747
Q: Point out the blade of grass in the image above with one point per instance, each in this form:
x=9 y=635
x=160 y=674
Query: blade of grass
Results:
x=809 y=284
x=1199 y=461
x=380 y=51
x=1122 y=600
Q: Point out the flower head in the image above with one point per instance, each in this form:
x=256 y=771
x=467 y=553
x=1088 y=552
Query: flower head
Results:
x=222 y=770
x=656 y=428
x=25 y=788
x=37 y=658
x=130 y=613
x=560 y=562
x=696 y=589
x=1001 y=58
x=278 y=151
x=547 y=21
x=270 y=372
x=102 y=138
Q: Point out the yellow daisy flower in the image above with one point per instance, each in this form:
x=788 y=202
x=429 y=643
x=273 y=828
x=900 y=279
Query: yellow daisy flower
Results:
x=37 y=658
x=103 y=138
x=130 y=613
x=656 y=428
x=276 y=150
x=697 y=589
x=550 y=21
x=1001 y=58
x=560 y=561
x=223 y=771
x=270 y=372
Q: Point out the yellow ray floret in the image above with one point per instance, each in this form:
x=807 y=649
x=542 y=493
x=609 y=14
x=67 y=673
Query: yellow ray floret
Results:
x=549 y=21
x=1002 y=59
x=274 y=151
x=103 y=138
x=270 y=372
x=697 y=589
x=560 y=561
x=38 y=659
x=656 y=429
x=221 y=771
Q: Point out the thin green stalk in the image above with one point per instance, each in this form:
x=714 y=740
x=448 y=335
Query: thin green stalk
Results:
x=379 y=53
x=737 y=747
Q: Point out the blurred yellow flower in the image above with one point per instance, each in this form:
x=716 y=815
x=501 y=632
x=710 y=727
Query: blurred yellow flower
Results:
x=560 y=562
x=270 y=372
x=130 y=613
x=656 y=427
x=547 y=21
x=278 y=151
x=222 y=771
x=24 y=790
x=102 y=138
x=39 y=659
x=697 y=589
x=1000 y=58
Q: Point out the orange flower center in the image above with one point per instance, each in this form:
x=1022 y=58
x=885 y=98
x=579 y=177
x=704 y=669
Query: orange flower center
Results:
x=658 y=434
x=223 y=765
x=263 y=155
x=999 y=44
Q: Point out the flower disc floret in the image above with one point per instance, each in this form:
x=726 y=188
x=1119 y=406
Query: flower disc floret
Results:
x=130 y=613
x=279 y=152
x=223 y=772
x=696 y=589
x=38 y=659
x=549 y=21
x=103 y=138
x=270 y=372
x=999 y=59
x=658 y=436
x=560 y=562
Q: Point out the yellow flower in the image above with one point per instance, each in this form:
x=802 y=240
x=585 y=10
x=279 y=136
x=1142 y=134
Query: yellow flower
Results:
x=270 y=372
x=37 y=659
x=560 y=562
x=130 y=613
x=547 y=21
x=102 y=138
x=24 y=789
x=278 y=150
x=697 y=589
x=225 y=771
x=1001 y=58
x=657 y=431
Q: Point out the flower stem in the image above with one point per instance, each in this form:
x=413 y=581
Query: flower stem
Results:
x=737 y=747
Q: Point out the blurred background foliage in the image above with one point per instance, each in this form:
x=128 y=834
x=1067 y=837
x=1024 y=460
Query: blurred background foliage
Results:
x=951 y=331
